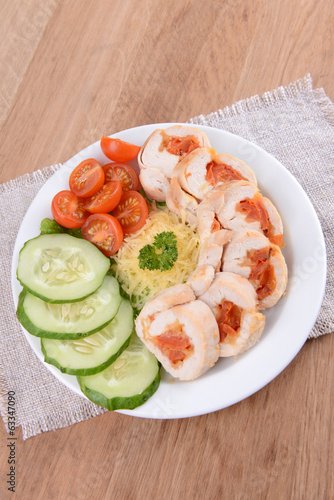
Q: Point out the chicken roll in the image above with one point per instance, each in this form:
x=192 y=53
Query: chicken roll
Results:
x=175 y=333
x=252 y=255
x=203 y=169
x=233 y=302
x=242 y=207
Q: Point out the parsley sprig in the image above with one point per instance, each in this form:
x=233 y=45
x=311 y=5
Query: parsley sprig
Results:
x=161 y=255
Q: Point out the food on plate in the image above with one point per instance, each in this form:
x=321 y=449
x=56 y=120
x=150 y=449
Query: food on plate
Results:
x=117 y=150
x=240 y=205
x=69 y=320
x=155 y=183
x=212 y=249
x=203 y=169
x=201 y=278
x=171 y=326
x=87 y=178
x=252 y=255
x=104 y=231
x=124 y=173
x=180 y=202
x=162 y=151
x=195 y=256
x=61 y=268
x=128 y=382
x=142 y=284
x=131 y=212
x=68 y=209
x=233 y=302
x=92 y=354
x=162 y=254
x=106 y=199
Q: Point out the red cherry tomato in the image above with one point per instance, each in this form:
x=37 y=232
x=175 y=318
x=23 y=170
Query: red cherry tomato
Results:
x=106 y=199
x=104 y=231
x=123 y=173
x=119 y=151
x=131 y=211
x=68 y=210
x=87 y=178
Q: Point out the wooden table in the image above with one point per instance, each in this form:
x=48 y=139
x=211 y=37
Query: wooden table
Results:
x=71 y=71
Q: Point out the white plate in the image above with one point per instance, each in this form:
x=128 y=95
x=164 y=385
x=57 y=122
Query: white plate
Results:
x=288 y=324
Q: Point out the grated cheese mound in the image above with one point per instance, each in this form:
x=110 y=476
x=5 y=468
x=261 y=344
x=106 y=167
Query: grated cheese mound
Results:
x=141 y=284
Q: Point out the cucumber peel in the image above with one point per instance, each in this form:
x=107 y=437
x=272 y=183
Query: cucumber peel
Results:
x=94 y=353
x=60 y=268
x=73 y=320
x=128 y=382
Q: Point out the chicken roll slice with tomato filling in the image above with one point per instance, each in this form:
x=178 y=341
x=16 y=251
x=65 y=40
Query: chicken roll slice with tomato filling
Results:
x=243 y=207
x=252 y=255
x=163 y=149
x=203 y=169
x=175 y=334
x=233 y=302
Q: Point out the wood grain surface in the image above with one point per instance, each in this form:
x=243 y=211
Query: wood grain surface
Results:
x=71 y=71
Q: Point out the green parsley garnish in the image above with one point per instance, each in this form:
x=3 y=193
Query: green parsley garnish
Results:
x=161 y=255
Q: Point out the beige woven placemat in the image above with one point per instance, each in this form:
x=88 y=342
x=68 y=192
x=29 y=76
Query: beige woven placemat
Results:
x=295 y=124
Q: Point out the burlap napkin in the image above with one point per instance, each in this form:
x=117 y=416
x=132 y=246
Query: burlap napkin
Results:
x=295 y=124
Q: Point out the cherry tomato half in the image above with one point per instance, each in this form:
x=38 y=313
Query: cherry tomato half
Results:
x=122 y=172
x=87 y=178
x=106 y=199
x=131 y=212
x=117 y=150
x=68 y=210
x=104 y=231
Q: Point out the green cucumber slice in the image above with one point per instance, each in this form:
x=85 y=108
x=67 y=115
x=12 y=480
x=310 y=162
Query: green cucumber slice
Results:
x=61 y=268
x=94 y=353
x=127 y=383
x=71 y=320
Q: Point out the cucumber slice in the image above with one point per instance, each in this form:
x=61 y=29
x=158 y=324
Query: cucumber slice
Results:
x=129 y=382
x=72 y=320
x=51 y=261
x=92 y=354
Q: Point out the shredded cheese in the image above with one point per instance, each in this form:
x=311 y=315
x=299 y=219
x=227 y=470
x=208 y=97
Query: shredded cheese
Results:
x=141 y=284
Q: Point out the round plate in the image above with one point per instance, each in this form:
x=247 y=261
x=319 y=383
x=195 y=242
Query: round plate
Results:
x=288 y=324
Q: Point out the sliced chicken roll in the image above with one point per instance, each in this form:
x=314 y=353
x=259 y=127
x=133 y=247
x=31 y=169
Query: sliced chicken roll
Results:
x=212 y=249
x=245 y=207
x=155 y=183
x=175 y=335
x=252 y=255
x=181 y=203
x=233 y=301
x=203 y=169
x=164 y=148
x=208 y=212
x=201 y=279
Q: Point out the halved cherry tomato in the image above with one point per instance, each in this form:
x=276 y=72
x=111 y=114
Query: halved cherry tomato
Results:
x=106 y=199
x=117 y=150
x=68 y=210
x=122 y=172
x=131 y=212
x=87 y=178
x=104 y=231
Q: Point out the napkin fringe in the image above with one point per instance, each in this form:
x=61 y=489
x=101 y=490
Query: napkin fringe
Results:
x=59 y=421
x=325 y=104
